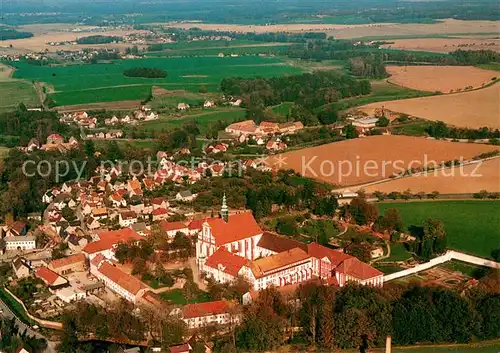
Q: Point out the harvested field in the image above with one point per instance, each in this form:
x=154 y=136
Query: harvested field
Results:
x=444 y=45
x=445 y=79
x=472 y=109
x=364 y=160
x=40 y=39
x=453 y=181
x=160 y=91
x=120 y=105
x=447 y=26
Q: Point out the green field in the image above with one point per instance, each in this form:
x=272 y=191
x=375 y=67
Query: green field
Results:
x=282 y=109
x=398 y=252
x=203 y=120
x=13 y=92
x=471 y=226
x=176 y=296
x=80 y=84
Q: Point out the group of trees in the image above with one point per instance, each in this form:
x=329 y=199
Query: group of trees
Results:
x=119 y=321
x=439 y=129
x=368 y=66
x=358 y=317
x=9 y=33
x=12 y=339
x=147 y=72
x=308 y=90
x=98 y=39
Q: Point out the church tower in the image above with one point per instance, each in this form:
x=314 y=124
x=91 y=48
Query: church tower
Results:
x=224 y=211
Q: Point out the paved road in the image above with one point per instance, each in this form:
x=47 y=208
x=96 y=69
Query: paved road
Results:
x=6 y=312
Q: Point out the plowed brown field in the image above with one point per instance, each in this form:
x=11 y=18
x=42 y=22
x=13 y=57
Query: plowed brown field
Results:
x=444 y=79
x=469 y=179
x=364 y=160
x=472 y=109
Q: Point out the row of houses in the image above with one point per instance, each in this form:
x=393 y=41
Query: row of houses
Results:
x=55 y=142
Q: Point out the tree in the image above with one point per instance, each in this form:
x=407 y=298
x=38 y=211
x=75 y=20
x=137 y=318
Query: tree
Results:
x=362 y=212
x=139 y=266
x=172 y=333
x=351 y=132
x=391 y=221
x=383 y=121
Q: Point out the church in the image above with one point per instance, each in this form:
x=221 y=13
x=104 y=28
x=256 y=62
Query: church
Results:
x=235 y=245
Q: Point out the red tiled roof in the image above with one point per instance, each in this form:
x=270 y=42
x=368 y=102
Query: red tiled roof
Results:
x=124 y=280
x=170 y=226
x=182 y=348
x=110 y=238
x=159 y=211
x=230 y=263
x=358 y=269
x=205 y=309
x=48 y=276
x=277 y=243
x=196 y=224
x=239 y=226
x=73 y=259
x=157 y=200
x=97 y=260
x=319 y=251
x=263 y=266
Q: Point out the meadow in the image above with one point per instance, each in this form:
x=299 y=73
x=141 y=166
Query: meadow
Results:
x=13 y=92
x=471 y=226
x=79 y=84
x=203 y=120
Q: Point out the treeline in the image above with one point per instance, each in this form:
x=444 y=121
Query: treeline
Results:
x=309 y=90
x=361 y=317
x=98 y=39
x=7 y=33
x=344 y=50
x=147 y=72
x=368 y=66
x=439 y=129
x=28 y=124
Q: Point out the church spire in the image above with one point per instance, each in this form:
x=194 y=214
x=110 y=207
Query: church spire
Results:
x=224 y=211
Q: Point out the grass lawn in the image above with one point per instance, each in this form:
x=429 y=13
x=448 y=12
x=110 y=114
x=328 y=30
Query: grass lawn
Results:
x=398 y=253
x=465 y=268
x=282 y=109
x=203 y=120
x=90 y=83
x=175 y=296
x=3 y=152
x=472 y=226
x=13 y=92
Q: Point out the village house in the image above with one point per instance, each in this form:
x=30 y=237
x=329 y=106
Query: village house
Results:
x=106 y=242
x=365 y=124
x=50 y=278
x=72 y=263
x=209 y=104
x=172 y=228
x=200 y=315
x=185 y=196
x=55 y=139
x=275 y=145
x=159 y=214
x=127 y=218
x=121 y=283
x=182 y=106
x=159 y=202
x=245 y=128
x=21 y=267
x=290 y=127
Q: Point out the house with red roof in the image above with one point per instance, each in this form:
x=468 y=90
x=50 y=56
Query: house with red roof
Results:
x=121 y=283
x=171 y=228
x=108 y=241
x=199 y=315
x=159 y=214
x=55 y=139
x=50 y=278
x=72 y=263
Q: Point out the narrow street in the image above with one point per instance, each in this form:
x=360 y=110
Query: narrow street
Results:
x=6 y=312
